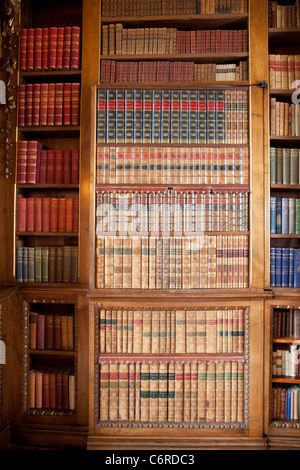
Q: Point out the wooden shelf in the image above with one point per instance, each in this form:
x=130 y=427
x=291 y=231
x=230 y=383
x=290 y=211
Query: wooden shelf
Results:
x=49 y=186
x=47 y=234
x=48 y=352
x=229 y=20
x=217 y=57
x=286 y=379
x=286 y=340
x=52 y=76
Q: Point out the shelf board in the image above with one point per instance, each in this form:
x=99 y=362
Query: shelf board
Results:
x=179 y=84
x=284 y=35
x=170 y=233
x=286 y=340
x=201 y=188
x=286 y=379
x=47 y=234
x=48 y=186
x=50 y=131
x=283 y=93
x=50 y=352
x=285 y=235
x=212 y=57
x=286 y=187
x=281 y=139
x=51 y=75
x=198 y=21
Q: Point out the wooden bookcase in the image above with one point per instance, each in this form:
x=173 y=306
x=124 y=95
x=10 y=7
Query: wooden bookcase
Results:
x=115 y=306
x=281 y=421
x=94 y=424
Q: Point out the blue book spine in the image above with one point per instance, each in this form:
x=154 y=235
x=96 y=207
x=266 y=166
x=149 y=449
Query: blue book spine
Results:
x=19 y=264
x=285 y=215
x=198 y=6
x=272 y=214
x=278 y=215
x=272 y=266
x=297 y=267
x=278 y=266
x=285 y=267
x=291 y=267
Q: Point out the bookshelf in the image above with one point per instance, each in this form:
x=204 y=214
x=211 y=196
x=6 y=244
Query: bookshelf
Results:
x=281 y=417
x=48 y=155
x=156 y=193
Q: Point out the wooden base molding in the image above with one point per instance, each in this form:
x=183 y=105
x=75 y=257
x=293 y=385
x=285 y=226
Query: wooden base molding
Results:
x=283 y=443
x=4 y=438
x=49 y=436
x=213 y=443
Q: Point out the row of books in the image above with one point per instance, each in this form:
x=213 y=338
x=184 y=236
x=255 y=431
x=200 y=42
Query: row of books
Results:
x=52 y=387
x=284 y=215
x=284 y=16
x=284 y=118
x=285 y=362
x=50 y=264
x=156 y=331
x=284 y=267
x=284 y=70
x=172 y=116
x=48 y=214
x=286 y=402
x=286 y=323
x=54 y=48
x=38 y=165
x=49 y=104
x=51 y=332
x=142 y=71
x=171 y=212
x=172 y=262
x=172 y=391
x=172 y=165
x=284 y=165
x=117 y=40
x=175 y=7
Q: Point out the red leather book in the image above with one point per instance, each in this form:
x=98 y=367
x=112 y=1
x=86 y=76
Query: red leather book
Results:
x=21 y=161
x=45 y=389
x=45 y=49
x=66 y=166
x=60 y=48
x=44 y=104
x=38 y=34
x=38 y=389
x=53 y=214
x=52 y=47
x=75 y=100
x=75 y=214
x=43 y=167
x=51 y=104
x=28 y=104
x=59 y=388
x=29 y=214
x=32 y=330
x=37 y=214
x=75 y=48
x=61 y=224
x=40 y=331
x=22 y=214
x=49 y=328
x=23 y=50
x=52 y=388
x=67 y=48
x=75 y=166
x=33 y=160
x=22 y=105
x=57 y=331
x=69 y=214
x=30 y=50
x=67 y=104
x=36 y=103
x=50 y=166
x=58 y=167
x=58 y=106
x=45 y=214
x=65 y=388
